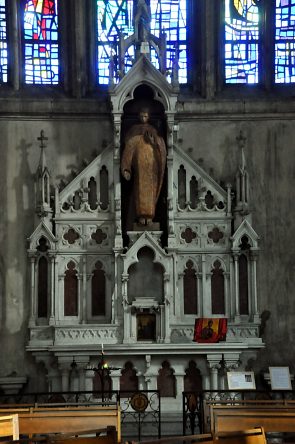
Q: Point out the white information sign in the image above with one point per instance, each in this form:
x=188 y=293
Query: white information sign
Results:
x=241 y=380
x=280 y=378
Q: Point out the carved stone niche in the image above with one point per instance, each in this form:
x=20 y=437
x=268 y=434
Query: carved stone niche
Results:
x=146 y=319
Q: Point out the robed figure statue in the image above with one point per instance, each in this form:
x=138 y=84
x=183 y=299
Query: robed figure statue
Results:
x=144 y=157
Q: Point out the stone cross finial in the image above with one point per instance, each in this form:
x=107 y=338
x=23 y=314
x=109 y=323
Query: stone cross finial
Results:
x=241 y=139
x=42 y=138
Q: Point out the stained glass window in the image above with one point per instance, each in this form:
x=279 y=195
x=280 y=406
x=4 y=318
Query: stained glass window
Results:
x=241 y=41
x=3 y=42
x=170 y=17
x=116 y=16
x=285 y=41
x=41 y=42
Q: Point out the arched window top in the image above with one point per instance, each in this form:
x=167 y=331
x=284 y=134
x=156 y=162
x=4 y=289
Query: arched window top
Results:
x=3 y=42
x=116 y=18
x=241 y=50
x=40 y=34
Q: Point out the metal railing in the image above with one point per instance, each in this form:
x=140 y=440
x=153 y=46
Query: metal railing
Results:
x=195 y=416
x=139 y=409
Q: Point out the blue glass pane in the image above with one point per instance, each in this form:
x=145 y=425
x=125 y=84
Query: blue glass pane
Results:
x=41 y=42
x=3 y=43
x=113 y=17
x=170 y=17
x=285 y=41
x=241 y=41
x=116 y=16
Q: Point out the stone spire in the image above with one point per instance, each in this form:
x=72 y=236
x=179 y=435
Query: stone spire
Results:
x=242 y=209
x=43 y=208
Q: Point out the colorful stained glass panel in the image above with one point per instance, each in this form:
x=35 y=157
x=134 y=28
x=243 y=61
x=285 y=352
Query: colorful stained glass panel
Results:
x=285 y=41
x=241 y=41
x=116 y=16
x=3 y=43
x=41 y=42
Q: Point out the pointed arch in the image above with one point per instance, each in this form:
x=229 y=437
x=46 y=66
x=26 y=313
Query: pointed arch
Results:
x=98 y=290
x=146 y=277
x=190 y=289
x=71 y=290
x=217 y=289
x=192 y=378
x=128 y=380
x=166 y=381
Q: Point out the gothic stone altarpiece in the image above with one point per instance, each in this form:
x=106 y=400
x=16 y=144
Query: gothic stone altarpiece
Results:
x=84 y=241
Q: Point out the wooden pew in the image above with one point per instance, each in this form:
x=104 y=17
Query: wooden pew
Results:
x=253 y=436
x=9 y=426
x=47 y=420
x=229 y=418
x=107 y=435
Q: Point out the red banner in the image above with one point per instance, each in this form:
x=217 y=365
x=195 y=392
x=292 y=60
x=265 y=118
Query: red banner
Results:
x=210 y=329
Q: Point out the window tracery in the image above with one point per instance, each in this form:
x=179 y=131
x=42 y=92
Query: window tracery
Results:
x=3 y=42
x=258 y=42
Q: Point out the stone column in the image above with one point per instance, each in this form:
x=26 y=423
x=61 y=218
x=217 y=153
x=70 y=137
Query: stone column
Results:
x=117 y=183
x=65 y=372
x=203 y=313
x=126 y=309
x=167 y=308
x=229 y=198
x=253 y=259
x=231 y=363
x=80 y=296
x=162 y=323
x=16 y=45
x=227 y=293
x=89 y=375
x=170 y=179
x=150 y=376
x=79 y=37
x=237 y=296
x=115 y=375
x=32 y=321
x=52 y=259
x=82 y=362
x=84 y=291
x=214 y=365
